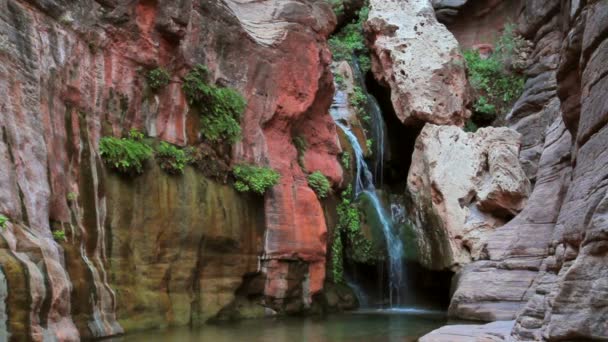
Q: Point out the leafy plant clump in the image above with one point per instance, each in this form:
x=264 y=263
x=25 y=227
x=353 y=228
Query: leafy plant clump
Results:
x=348 y=234
x=72 y=196
x=220 y=108
x=495 y=79
x=254 y=179
x=358 y=100
x=345 y=160
x=337 y=6
x=3 y=221
x=171 y=159
x=319 y=183
x=126 y=155
x=157 y=78
x=59 y=235
x=350 y=42
x=301 y=146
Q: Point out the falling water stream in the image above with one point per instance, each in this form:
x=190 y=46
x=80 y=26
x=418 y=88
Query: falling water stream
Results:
x=365 y=186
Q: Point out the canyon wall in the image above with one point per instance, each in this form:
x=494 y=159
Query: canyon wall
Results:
x=547 y=268
x=156 y=250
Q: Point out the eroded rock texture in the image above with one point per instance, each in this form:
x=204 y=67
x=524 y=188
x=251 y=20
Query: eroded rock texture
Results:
x=72 y=72
x=463 y=185
x=419 y=60
x=548 y=267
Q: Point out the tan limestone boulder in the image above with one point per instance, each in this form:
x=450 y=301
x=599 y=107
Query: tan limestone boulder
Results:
x=463 y=185
x=419 y=59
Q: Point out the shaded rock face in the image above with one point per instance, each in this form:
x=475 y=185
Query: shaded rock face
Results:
x=179 y=248
x=463 y=185
x=547 y=268
x=74 y=72
x=477 y=22
x=431 y=89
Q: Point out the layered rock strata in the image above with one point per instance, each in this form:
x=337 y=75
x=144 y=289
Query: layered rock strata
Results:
x=549 y=264
x=72 y=72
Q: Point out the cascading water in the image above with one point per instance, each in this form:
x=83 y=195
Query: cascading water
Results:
x=377 y=124
x=364 y=185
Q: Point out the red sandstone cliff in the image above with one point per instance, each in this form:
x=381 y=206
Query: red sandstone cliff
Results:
x=72 y=72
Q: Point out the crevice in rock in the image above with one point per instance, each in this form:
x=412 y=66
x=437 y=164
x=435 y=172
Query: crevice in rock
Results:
x=402 y=138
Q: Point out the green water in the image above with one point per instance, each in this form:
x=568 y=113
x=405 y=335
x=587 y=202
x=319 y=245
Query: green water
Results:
x=366 y=326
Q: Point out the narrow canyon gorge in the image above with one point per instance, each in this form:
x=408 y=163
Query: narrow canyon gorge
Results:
x=314 y=170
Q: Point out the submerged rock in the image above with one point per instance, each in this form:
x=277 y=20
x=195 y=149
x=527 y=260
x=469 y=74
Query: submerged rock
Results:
x=463 y=185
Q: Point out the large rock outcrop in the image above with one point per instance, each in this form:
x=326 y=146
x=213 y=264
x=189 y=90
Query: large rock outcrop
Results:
x=463 y=185
x=548 y=266
x=72 y=72
x=419 y=59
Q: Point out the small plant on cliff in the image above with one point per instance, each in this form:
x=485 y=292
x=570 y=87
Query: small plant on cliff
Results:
x=358 y=100
x=337 y=257
x=495 y=79
x=157 y=78
x=126 y=155
x=3 y=221
x=350 y=42
x=319 y=183
x=254 y=179
x=59 y=235
x=301 y=146
x=220 y=108
x=348 y=229
x=72 y=196
x=345 y=159
x=340 y=82
x=171 y=159
x=337 y=6
x=369 y=144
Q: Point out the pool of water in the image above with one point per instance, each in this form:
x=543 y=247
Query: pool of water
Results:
x=366 y=325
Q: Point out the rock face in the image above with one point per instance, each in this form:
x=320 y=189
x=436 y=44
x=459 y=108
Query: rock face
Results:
x=74 y=72
x=463 y=185
x=431 y=89
x=548 y=267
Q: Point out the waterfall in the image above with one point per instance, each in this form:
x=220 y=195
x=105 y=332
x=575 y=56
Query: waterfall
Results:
x=377 y=124
x=364 y=185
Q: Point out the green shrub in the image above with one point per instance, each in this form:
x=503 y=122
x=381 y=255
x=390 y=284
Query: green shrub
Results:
x=3 y=221
x=220 y=108
x=349 y=224
x=484 y=107
x=495 y=85
x=157 y=78
x=319 y=183
x=345 y=159
x=171 y=159
x=72 y=196
x=340 y=82
x=337 y=6
x=126 y=155
x=358 y=100
x=369 y=143
x=59 y=235
x=301 y=146
x=350 y=42
x=337 y=258
x=255 y=179
x=470 y=126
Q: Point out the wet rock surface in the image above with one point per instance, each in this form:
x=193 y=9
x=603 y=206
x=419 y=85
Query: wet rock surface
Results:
x=74 y=72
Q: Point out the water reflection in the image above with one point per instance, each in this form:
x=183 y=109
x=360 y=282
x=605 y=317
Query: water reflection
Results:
x=369 y=325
